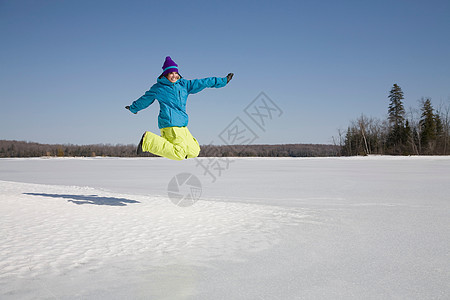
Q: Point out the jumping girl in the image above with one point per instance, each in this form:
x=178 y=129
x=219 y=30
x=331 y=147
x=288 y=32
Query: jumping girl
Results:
x=171 y=91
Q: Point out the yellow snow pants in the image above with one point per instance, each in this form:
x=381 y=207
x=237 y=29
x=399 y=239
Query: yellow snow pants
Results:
x=175 y=143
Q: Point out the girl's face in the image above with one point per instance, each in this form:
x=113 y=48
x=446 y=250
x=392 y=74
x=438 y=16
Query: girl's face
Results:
x=173 y=77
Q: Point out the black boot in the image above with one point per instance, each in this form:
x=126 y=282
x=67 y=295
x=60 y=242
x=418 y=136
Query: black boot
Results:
x=139 y=147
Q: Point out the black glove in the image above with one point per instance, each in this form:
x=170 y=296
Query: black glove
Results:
x=229 y=77
x=127 y=107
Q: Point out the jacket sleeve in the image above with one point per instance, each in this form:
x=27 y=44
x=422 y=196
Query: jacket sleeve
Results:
x=143 y=102
x=197 y=85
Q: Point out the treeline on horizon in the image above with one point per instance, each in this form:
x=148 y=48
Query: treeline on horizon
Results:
x=418 y=131
x=29 y=149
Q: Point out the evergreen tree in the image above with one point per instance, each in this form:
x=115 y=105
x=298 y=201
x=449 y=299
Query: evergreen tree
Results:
x=396 y=110
x=428 y=127
x=398 y=134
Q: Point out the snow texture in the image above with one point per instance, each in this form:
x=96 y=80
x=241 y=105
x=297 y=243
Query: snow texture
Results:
x=263 y=228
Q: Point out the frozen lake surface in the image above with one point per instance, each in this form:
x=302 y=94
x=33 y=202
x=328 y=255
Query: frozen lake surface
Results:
x=262 y=228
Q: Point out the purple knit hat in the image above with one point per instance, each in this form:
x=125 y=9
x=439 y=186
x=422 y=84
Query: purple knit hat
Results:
x=169 y=66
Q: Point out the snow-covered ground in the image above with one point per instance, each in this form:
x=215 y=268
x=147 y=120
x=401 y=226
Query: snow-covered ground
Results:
x=287 y=228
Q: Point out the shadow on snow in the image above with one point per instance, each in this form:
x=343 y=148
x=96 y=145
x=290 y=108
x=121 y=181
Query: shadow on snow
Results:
x=88 y=199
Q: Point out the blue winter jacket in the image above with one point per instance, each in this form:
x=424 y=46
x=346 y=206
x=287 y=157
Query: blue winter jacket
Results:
x=172 y=98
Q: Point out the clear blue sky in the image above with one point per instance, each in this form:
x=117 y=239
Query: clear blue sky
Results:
x=68 y=68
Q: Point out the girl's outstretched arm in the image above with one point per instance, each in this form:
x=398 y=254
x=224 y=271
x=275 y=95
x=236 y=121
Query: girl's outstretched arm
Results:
x=143 y=102
x=197 y=85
